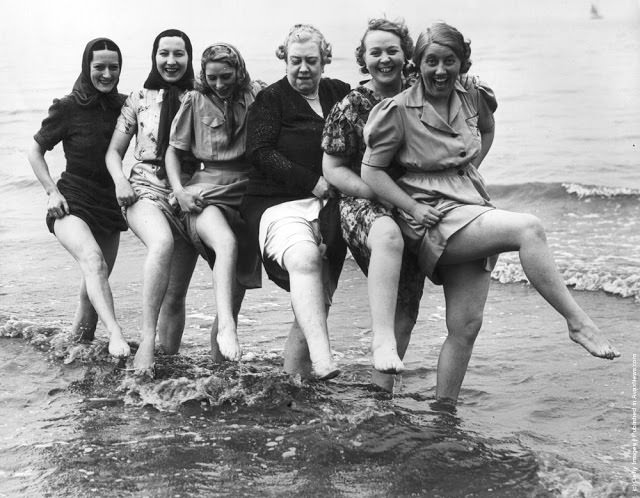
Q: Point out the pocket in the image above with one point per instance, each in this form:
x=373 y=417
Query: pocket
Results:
x=472 y=123
x=212 y=135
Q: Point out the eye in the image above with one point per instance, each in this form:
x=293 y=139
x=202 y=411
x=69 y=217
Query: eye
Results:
x=179 y=53
x=431 y=61
x=374 y=52
x=392 y=51
x=114 y=67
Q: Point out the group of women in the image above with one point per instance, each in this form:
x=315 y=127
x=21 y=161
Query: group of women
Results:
x=287 y=177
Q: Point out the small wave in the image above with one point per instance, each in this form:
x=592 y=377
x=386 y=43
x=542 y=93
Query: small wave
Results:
x=508 y=273
x=582 y=191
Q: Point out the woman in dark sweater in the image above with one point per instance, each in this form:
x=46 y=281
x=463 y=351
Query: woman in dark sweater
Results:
x=287 y=192
x=82 y=211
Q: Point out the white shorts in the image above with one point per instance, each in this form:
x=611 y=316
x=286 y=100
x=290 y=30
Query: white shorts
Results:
x=287 y=224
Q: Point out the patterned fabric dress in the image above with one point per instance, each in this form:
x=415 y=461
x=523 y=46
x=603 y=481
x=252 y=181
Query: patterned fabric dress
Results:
x=343 y=136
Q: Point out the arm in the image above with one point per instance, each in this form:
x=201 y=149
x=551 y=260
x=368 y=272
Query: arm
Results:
x=189 y=201
x=56 y=205
x=116 y=151
x=382 y=184
x=487 y=141
x=337 y=172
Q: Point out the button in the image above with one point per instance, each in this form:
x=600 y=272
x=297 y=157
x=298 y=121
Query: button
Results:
x=463 y=153
x=454 y=135
x=461 y=172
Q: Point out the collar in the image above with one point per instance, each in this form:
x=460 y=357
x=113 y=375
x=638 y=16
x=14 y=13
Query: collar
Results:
x=415 y=97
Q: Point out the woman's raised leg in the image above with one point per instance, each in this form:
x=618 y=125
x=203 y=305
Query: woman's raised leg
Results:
x=499 y=231
x=386 y=246
x=76 y=237
x=465 y=291
x=215 y=232
x=149 y=223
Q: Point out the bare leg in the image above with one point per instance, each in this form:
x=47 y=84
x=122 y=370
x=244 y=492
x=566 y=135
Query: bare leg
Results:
x=85 y=319
x=501 y=231
x=172 y=315
x=150 y=225
x=215 y=232
x=238 y=297
x=465 y=290
x=304 y=264
x=386 y=245
x=76 y=237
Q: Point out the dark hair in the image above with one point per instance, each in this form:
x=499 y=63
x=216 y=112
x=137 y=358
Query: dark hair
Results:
x=224 y=52
x=302 y=33
x=447 y=36
x=398 y=28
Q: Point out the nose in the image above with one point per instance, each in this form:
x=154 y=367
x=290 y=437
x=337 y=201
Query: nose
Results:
x=171 y=59
x=106 y=73
x=385 y=57
x=303 y=67
x=440 y=68
x=220 y=85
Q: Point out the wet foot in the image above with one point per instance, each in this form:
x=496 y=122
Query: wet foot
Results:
x=386 y=359
x=118 y=346
x=590 y=338
x=143 y=361
x=325 y=371
x=228 y=344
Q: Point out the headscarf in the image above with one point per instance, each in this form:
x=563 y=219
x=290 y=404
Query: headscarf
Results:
x=171 y=100
x=228 y=54
x=83 y=92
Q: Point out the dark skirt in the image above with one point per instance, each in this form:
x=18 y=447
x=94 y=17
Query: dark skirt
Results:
x=93 y=203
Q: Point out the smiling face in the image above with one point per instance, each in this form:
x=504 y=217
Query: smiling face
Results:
x=104 y=70
x=304 y=66
x=383 y=57
x=221 y=78
x=171 y=58
x=440 y=68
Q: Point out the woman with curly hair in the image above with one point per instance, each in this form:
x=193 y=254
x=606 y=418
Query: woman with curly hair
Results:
x=440 y=132
x=395 y=282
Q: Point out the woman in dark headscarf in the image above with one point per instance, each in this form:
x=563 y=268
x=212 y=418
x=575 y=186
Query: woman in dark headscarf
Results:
x=143 y=195
x=82 y=211
x=211 y=124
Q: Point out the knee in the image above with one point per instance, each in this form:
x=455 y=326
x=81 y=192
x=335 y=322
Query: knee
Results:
x=94 y=263
x=388 y=239
x=464 y=329
x=161 y=248
x=532 y=228
x=303 y=259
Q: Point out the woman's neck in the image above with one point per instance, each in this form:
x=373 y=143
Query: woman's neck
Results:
x=385 y=90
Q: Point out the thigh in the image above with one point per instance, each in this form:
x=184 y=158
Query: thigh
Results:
x=212 y=226
x=491 y=233
x=75 y=236
x=148 y=222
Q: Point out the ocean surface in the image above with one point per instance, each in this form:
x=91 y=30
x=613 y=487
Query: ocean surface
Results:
x=537 y=415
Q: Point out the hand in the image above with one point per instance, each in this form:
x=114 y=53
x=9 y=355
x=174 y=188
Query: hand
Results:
x=425 y=215
x=57 y=205
x=125 y=194
x=323 y=189
x=190 y=200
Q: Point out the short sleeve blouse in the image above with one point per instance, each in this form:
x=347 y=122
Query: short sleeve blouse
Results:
x=85 y=134
x=199 y=127
x=140 y=116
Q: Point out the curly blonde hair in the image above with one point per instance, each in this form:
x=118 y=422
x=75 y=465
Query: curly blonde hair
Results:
x=398 y=28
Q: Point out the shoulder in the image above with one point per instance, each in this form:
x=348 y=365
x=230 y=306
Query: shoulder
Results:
x=338 y=87
x=476 y=88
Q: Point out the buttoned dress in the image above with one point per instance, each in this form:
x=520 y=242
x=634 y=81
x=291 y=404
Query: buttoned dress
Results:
x=439 y=160
x=200 y=127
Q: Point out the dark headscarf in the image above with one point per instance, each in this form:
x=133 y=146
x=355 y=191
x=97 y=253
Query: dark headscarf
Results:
x=171 y=100
x=83 y=92
x=228 y=54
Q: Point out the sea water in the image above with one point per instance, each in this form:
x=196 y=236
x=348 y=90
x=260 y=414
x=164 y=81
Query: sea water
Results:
x=537 y=415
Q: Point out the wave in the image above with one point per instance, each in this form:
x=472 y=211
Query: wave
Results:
x=539 y=191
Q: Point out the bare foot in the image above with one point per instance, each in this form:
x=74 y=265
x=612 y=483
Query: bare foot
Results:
x=590 y=338
x=325 y=370
x=228 y=344
x=118 y=346
x=143 y=361
x=385 y=357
